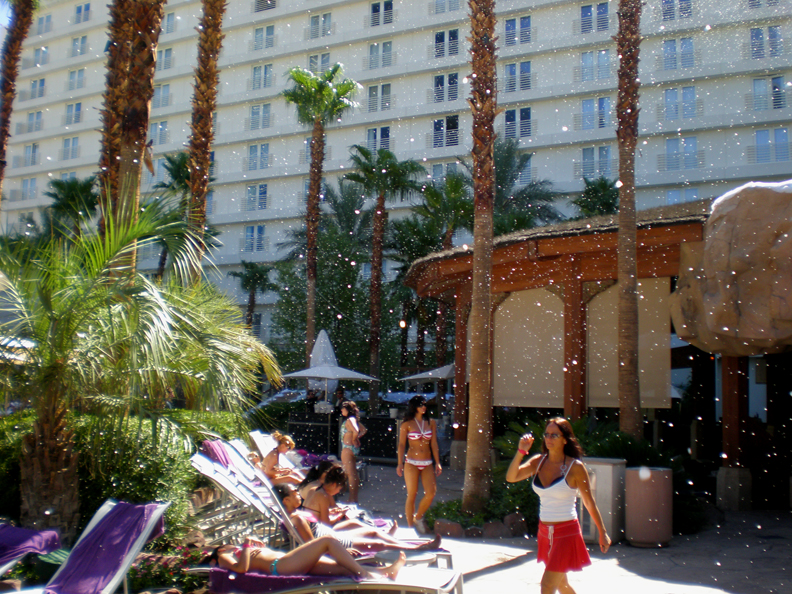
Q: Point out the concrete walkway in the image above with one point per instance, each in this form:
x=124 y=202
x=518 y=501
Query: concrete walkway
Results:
x=745 y=552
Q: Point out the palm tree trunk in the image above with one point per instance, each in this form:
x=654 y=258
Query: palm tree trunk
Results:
x=312 y=233
x=441 y=335
x=250 y=308
x=483 y=102
x=207 y=77
x=112 y=113
x=163 y=259
x=628 y=42
x=420 y=339
x=21 y=19
x=405 y=333
x=378 y=222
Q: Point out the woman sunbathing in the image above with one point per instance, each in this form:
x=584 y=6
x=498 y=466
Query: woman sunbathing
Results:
x=367 y=538
x=315 y=477
x=254 y=555
x=270 y=465
x=321 y=501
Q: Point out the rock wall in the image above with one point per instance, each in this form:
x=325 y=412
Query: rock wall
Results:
x=734 y=293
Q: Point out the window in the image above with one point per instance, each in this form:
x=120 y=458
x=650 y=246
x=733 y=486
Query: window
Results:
x=79 y=46
x=29 y=188
x=44 y=24
x=264 y=37
x=686 y=57
x=596 y=161
x=681 y=153
x=31 y=156
x=515 y=128
x=307 y=183
x=443 y=48
x=588 y=21
x=446 y=132
x=381 y=13
x=71 y=148
x=73 y=114
x=76 y=79
x=769 y=93
x=158 y=132
x=319 y=63
x=321 y=26
x=676 y=9
x=164 y=59
x=518 y=30
x=772 y=145
x=254 y=240
x=683 y=195
x=262 y=77
x=380 y=54
x=161 y=96
x=255 y=327
x=256 y=197
x=379 y=98
x=169 y=23
x=258 y=156
x=261 y=5
x=34 y=121
x=210 y=202
x=587 y=66
x=68 y=175
x=384 y=138
x=775 y=43
x=603 y=64
x=82 y=13
x=595 y=113
x=758 y=3
x=259 y=116
x=673 y=110
x=512 y=82
x=443 y=92
x=37 y=88
x=441 y=6
x=526 y=173
x=41 y=56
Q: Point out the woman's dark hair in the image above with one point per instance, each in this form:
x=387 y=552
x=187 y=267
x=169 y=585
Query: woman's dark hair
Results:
x=571 y=447
x=412 y=407
x=316 y=472
x=351 y=407
x=283 y=490
x=212 y=557
x=336 y=476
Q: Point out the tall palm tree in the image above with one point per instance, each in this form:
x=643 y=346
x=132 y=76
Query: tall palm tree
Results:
x=74 y=203
x=628 y=45
x=18 y=29
x=254 y=278
x=178 y=185
x=204 y=104
x=600 y=197
x=98 y=336
x=319 y=98
x=380 y=174
x=483 y=103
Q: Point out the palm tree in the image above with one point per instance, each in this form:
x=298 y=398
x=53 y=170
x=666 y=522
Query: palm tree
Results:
x=75 y=202
x=380 y=173
x=600 y=197
x=95 y=335
x=483 y=103
x=628 y=45
x=207 y=77
x=320 y=98
x=253 y=278
x=18 y=28
x=177 y=168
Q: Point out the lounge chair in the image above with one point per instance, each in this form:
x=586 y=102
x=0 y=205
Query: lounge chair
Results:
x=106 y=549
x=15 y=543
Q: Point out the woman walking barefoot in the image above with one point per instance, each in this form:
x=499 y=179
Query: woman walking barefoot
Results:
x=421 y=435
x=254 y=555
x=558 y=476
x=351 y=432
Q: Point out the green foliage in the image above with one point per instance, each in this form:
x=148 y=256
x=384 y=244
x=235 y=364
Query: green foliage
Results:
x=12 y=428
x=198 y=425
x=600 y=197
x=167 y=571
x=323 y=96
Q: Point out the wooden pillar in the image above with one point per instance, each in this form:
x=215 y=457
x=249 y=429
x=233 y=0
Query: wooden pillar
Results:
x=574 y=343
x=779 y=426
x=462 y=310
x=734 y=374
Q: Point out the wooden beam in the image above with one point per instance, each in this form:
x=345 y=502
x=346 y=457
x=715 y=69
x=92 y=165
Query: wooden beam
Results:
x=734 y=402
x=460 y=361
x=574 y=342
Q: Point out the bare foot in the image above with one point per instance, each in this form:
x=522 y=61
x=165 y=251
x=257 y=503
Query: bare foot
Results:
x=391 y=571
x=431 y=545
x=393 y=528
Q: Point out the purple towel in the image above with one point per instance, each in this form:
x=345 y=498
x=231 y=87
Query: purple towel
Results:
x=215 y=451
x=100 y=554
x=222 y=581
x=18 y=542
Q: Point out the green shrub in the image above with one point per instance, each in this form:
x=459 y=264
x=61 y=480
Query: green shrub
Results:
x=167 y=571
x=12 y=428
x=200 y=425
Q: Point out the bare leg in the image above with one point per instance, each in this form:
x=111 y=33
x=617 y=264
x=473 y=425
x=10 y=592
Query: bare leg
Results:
x=306 y=559
x=555 y=581
x=411 y=480
x=565 y=587
x=430 y=489
x=374 y=544
x=350 y=468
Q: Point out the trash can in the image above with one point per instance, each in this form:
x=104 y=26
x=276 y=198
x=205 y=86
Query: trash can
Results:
x=649 y=506
x=606 y=480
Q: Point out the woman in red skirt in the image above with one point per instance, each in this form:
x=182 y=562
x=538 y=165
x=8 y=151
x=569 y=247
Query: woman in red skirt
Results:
x=558 y=477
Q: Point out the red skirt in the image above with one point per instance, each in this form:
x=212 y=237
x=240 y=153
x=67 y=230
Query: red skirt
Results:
x=561 y=547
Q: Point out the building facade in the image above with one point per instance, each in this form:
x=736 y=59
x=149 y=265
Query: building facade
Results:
x=716 y=85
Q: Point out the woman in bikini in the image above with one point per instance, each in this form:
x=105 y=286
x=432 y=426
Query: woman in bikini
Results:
x=421 y=435
x=321 y=501
x=270 y=465
x=367 y=538
x=350 y=434
x=254 y=555
x=314 y=478
x=559 y=476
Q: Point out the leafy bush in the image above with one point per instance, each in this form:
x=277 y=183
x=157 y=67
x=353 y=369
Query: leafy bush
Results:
x=198 y=425
x=167 y=571
x=12 y=428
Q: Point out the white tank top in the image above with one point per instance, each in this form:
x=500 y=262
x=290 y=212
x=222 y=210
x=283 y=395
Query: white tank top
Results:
x=556 y=502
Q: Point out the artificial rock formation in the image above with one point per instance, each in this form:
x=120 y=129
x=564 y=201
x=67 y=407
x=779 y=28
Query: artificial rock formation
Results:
x=734 y=293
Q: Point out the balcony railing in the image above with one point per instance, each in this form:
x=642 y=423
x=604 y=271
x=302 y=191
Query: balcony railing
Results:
x=520 y=82
x=166 y=63
x=82 y=17
x=767 y=48
x=251 y=244
x=28 y=127
x=319 y=30
x=26 y=160
x=79 y=50
x=595 y=168
x=439 y=139
x=33 y=62
x=262 y=5
x=257 y=163
x=66 y=154
x=44 y=27
x=37 y=93
x=255 y=83
x=518 y=129
x=266 y=43
x=447 y=93
x=756 y=102
x=680 y=160
x=595 y=72
x=253 y=204
x=384 y=60
x=19 y=195
x=386 y=17
x=382 y=143
x=594 y=24
x=443 y=50
x=679 y=10
x=257 y=123
x=73 y=85
x=768 y=153
x=441 y=6
x=677 y=60
x=381 y=103
x=515 y=36
x=681 y=110
x=72 y=118
x=593 y=120
x=161 y=101
x=305 y=154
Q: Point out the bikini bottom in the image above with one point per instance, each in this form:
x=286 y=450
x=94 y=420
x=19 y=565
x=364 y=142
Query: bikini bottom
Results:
x=419 y=464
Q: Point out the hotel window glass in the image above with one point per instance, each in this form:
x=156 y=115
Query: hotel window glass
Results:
x=319 y=63
x=256 y=198
x=258 y=156
x=161 y=96
x=34 y=121
x=446 y=132
x=603 y=64
x=71 y=148
x=518 y=30
x=41 y=56
x=683 y=195
x=82 y=13
x=73 y=113
x=518 y=123
x=164 y=59
x=169 y=23
x=76 y=79
x=79 y=46
x=44 y=24
x=158 y=132
x=772 y=145
x=587 y=66
x=449 y=92
x=595 y=113
x=254 y=238
x=259 y=116
x=443 y=49
x=29 y=188
x=381 y=13
x=378 y=138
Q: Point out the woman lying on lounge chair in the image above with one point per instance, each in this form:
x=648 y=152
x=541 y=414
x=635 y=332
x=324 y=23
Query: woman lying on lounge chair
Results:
x=270 y=465
x=366 y=538
x=315 y=477
x=253 y=555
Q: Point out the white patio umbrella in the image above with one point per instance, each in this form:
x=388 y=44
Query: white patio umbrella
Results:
x=433 y=375
x=323 y=354
x=329 y=372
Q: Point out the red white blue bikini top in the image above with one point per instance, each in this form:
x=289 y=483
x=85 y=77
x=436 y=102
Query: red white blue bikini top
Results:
x=424 y=431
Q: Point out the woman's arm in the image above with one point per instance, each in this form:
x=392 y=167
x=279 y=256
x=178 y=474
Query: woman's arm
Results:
x=435 y=449
x=580 y=481
x=402 y=447
x=241 y=564
x=352 y=429
x=302 y=527
x=517 y=470
x=269 y=464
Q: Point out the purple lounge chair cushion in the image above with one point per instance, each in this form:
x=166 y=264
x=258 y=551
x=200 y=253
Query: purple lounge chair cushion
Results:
x=100 y=554
x=215 y=451
x=18 y=542
x=222 y=581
